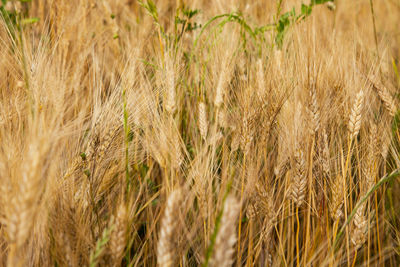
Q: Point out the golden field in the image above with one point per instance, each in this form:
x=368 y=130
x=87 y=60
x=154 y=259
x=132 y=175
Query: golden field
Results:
x=199 y=133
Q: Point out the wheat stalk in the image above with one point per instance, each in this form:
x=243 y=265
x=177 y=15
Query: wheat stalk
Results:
x=325 y=155
x=177 y=155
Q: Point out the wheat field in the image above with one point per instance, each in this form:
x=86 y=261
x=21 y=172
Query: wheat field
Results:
x=199 y=133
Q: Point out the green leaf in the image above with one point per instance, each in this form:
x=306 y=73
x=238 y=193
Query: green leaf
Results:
x=190 y=13
x=385 y=179
x=306 y=10
x=87 y=172
x=395 y=123
x=143 y=169
x=29 y=21
x=100 y=246
x=83 y=155
x=319 y=2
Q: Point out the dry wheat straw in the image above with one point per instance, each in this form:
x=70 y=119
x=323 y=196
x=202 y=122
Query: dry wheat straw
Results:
x=370 y=161
x=278 y=60
x=235 y=142
x=177 y=155
x=355 y=115
x=325 y=155
x=226 y=237
x=260 y=79
x=165 y=245
x=247 y=135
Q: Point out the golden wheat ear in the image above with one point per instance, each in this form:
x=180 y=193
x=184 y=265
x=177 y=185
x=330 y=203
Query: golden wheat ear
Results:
x=359 y=232
x=355 y=115
x=299 y=181
x=165 y=245
x=226 y=237
x=118 y=236
x=203 y=122
x=384 y=95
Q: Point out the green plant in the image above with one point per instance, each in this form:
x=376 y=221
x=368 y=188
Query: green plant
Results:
x=100 y=246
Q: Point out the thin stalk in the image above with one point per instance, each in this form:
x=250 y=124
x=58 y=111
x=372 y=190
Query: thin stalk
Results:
x=371 y=4
x=240 y=213
x=307 y=233
x=297 y=237
x=382 y=181
x=126 y=130
x=355 y=257
x=24 y=65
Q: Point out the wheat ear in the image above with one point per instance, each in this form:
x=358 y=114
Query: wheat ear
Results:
x=384 y=95
x=170 y=105
x=226 y=237
x=24 y=205
x=355 y=115
x=314 y=110
x=118 y=237
x=165 y=247
x=337 y=199
x=219 y=92
x=299 y=183
x=358 y=235
x=203 y=122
